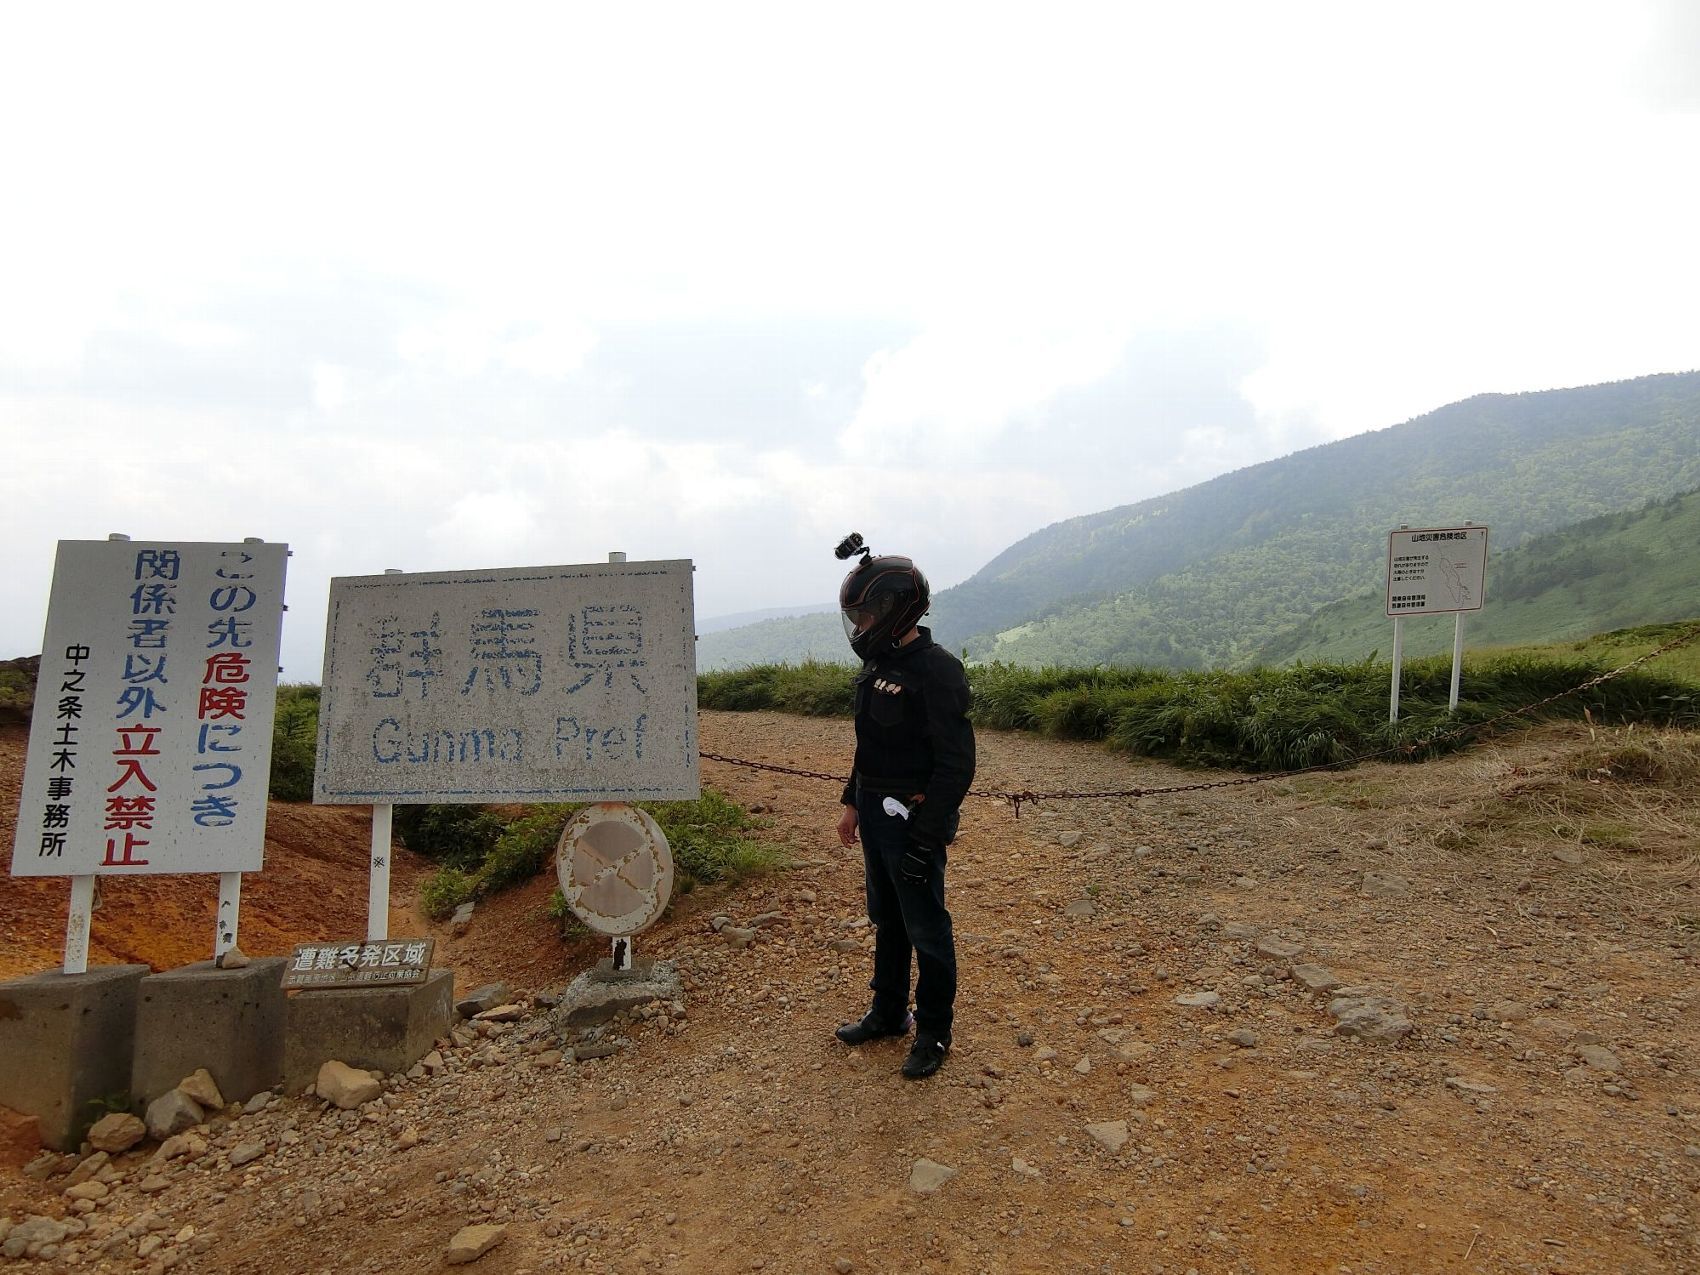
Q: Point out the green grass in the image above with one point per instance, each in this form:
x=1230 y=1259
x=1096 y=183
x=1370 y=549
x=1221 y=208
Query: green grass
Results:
x=1287 y=718
x=813 y=688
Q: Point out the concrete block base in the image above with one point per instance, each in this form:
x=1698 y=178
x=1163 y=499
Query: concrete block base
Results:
x=66 y=1042
x=229 y=1021
x=383 y=1028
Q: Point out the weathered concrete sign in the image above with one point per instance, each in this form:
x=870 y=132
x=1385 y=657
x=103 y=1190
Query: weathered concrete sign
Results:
x=571 y=683
x=151 y=739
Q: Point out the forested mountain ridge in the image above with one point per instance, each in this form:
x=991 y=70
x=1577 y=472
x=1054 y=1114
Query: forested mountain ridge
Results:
x=1211 y=574
x=1635 y=567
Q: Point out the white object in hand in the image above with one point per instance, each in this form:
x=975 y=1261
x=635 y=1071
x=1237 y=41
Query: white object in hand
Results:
x=892 y=806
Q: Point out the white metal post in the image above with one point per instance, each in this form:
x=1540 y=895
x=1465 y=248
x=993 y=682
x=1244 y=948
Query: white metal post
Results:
x=378 y=887
x=378 y=881
x=1398 y=657
x=229 y=912
x=80 y=914
x=1457 y=660
x=77 y=925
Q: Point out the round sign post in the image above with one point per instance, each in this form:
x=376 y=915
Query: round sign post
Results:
x=616 y=872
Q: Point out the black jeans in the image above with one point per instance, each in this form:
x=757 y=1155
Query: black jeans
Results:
x=907 y=918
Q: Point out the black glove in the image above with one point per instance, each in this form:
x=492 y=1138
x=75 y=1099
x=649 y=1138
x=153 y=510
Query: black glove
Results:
x=916 y=865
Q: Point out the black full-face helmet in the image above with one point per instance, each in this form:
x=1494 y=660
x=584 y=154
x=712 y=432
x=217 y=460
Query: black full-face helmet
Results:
x=882 y=599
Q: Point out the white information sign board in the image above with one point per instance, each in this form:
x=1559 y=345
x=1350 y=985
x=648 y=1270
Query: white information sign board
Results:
x=151 y=739
x=1436 y=570
x=569 y=683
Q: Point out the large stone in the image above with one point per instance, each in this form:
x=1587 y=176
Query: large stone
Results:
x=31 y=1231
x=593 y=998
x=1599 y=1057
x=928 y=1176
x=1385 y=885
x=346 y=1087
x=117 y=1132
x=245 y=1153
x=1199 y=1000
x=471 y=1243
x=203 y=1089
x=87 y=1168
x=1379 y=1020
x=461 y=921
x=172 y=1112
x=1112 y=1135
x=66 y=1041
x=1315 y=978
x=480 y=999
x=1277 y=948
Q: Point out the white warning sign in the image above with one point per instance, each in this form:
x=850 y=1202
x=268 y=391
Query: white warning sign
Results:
x=1436 y=570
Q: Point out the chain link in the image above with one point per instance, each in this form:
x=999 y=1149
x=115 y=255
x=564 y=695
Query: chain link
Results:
x=1025 y=796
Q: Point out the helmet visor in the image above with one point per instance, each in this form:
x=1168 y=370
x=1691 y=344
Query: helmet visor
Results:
x=866 y=616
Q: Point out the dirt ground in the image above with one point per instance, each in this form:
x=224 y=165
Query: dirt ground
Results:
x=1533 y=914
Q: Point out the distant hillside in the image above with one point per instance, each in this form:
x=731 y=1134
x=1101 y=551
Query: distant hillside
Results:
x=739 y=619
x=784 y=641
x=1610 y=572
x=1211 y=575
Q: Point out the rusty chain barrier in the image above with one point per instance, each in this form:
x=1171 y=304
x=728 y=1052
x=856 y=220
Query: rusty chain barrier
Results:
x=1017 y=799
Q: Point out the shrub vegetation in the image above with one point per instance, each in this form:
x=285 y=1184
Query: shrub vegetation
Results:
x=1264 y=718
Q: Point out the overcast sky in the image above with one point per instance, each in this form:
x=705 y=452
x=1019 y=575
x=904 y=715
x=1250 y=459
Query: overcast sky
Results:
x=493 y=285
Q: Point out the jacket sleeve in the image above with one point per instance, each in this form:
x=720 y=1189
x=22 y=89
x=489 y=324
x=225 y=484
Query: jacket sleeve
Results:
x=952 y=737
x=849 y=797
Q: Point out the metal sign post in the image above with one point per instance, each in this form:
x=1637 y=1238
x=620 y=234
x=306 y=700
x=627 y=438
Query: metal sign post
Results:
x=1434 y=571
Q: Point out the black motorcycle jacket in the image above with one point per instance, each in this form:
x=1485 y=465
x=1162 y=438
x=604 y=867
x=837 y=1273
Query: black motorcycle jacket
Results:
x=913 y=736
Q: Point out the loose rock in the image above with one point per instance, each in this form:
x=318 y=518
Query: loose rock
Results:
x=471 y=1243
x=928 y=1176
x=203 y=1089
x=344 y=1086
x=172 y=1112
x=1112 y=1135
x=117 y=1132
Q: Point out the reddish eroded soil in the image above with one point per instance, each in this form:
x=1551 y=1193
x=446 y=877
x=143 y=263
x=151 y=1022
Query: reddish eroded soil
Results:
x=313 y=886
x=746 y=1138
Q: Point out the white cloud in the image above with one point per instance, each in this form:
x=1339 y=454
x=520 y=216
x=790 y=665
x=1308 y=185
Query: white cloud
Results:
x=361 y=293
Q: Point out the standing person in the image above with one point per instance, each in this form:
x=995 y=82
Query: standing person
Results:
x=914 y=763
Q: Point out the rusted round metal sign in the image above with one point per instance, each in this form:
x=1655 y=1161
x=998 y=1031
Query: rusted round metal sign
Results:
x=615 y=868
